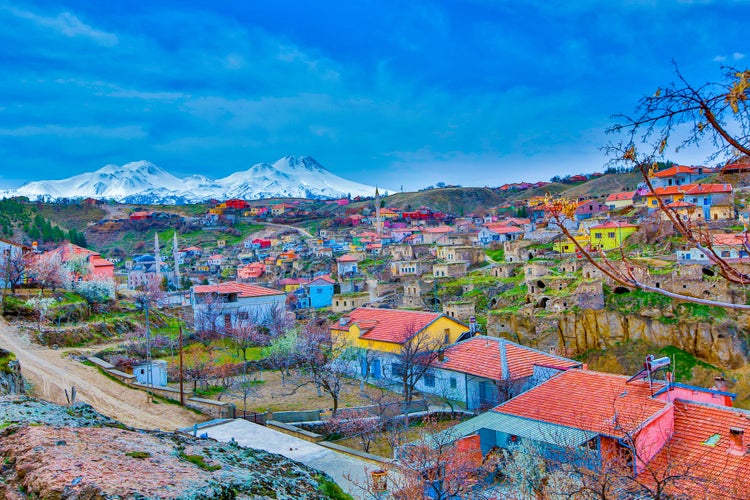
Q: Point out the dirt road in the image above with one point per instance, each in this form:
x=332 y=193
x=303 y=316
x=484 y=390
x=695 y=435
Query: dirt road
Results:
x=51 y=373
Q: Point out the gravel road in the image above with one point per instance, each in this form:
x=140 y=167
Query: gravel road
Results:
x=51 y=373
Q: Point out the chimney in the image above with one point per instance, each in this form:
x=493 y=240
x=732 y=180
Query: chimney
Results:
x=736 y=441
x=504 y=368
x=441 y=356
x=720 y=384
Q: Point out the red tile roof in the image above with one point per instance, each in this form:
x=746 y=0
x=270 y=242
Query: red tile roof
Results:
x=730 y=239
x=613 y=225
x=588 y=400
x=501 y=228
x=242 y=289
x=677 y=169
x=671 y=190
x=625 y=195
x=438 y=230
x=389 y=325
x=681 y=204
x=700 y=446
x=480 y=356
x=346 y=258
x=698 y=189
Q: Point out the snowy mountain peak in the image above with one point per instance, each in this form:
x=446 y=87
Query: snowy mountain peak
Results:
x=143 y=182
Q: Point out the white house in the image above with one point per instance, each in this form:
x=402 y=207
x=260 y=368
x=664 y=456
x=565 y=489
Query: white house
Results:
x=482 y=371
x=152 y=374
x=226 y=304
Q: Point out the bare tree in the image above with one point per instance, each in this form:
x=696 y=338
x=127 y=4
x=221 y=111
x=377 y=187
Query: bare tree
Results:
x=245 y=333
x=196 y=369
x=49 y=271
x=279 y=321
x=13 y=266
x=416 y=354
x=442 y=466
x=210 y=323
x=245 y=386
x=359 y=424
x=713 y=112
x=280 y=354
x=318 y=362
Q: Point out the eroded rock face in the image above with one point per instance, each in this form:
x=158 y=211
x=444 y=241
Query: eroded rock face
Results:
x=11 y=381
x=720 y=343
x=75 y=453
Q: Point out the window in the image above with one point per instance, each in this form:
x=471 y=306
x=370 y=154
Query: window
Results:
x=611 y=235
x=397 y=370
x=453 y=382
x=598 y=236
x=429 y=380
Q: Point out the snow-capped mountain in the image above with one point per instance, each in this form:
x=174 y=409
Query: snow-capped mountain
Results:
x=143 y=182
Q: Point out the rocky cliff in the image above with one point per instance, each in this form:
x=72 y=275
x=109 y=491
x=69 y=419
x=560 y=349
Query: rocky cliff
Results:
x=55 y=452
x=11 y=381
x=720 y=341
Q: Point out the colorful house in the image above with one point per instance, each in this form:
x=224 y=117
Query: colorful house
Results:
x=320 y=291
x=346 y=265
x=254 y=270
x=225 y=305
x=678 y=175
x=376 y=336
x=631 y=427
x=715 y=201
x=482 y=371
x=616 y=201
x=590 y=208
x=610 y=235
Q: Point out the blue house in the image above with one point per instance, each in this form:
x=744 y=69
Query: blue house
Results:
x=320 y=291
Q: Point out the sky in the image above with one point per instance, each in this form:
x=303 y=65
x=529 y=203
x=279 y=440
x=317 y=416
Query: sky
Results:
x=398 y=94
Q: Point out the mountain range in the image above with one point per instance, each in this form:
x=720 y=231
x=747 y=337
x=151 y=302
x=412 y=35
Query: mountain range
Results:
x=142 y=182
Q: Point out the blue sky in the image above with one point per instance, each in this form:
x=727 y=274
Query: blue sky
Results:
x=395 y=93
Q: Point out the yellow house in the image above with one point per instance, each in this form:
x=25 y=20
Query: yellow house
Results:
x=668 y=194
x=216 y=210
x=388 y=330
x=567 y=246
x=610 y=235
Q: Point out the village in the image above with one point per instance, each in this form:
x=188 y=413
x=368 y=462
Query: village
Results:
x=375 y=315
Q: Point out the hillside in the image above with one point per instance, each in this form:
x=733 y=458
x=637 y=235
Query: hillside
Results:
x=603 y=186
x=50 y=451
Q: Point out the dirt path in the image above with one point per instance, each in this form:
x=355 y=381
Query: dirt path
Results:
x=51 y=374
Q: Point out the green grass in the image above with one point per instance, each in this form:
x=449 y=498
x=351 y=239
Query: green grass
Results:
x=5 y=359
x=684 y=362
x=332 y=490
x=138 y=454
x=199 y=461
x=496 y=255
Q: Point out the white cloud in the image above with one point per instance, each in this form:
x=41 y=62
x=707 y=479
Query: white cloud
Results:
x=720 y=58
x=126 y=132
x=68 y=25
x=738 y=55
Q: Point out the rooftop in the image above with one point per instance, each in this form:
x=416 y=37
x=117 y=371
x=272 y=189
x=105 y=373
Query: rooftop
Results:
x=389 y=325
x=588 y=400
x=481 y=356
x=242 y=289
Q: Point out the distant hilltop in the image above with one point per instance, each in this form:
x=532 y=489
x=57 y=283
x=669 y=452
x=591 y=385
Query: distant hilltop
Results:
x=142 y=182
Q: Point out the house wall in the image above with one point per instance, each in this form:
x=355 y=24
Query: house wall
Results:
x=438 y=330
x=321 y=295
x=653 y=437
x=257 y=307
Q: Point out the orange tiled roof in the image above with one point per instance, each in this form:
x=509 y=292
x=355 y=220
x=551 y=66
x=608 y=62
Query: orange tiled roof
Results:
x=346 y=258
x=502 y=228
x=671 y=190
x=588 y=400
x=242 y=289
x=709 y=189
x=438 y=229
x=677 y=169
x=613 y=225
x=480 y=356
x=729 y=239
x=389 y=325
x=625 y=195
x=681 y=204
x=700 y=443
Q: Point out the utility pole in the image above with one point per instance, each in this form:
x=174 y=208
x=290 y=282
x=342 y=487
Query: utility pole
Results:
x=149 y=373
x=182 y=393
x=7 y=278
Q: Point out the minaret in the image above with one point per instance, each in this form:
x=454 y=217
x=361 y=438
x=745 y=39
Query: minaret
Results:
x=157 y=256
x=378 y=222
x=176 y=260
